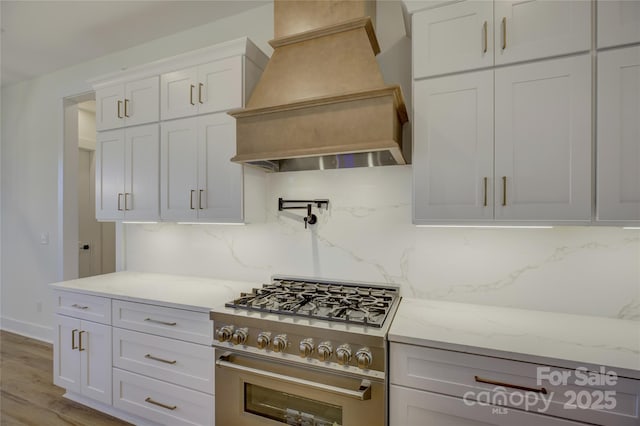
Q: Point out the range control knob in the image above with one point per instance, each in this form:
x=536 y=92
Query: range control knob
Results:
x=325 y=350
x=364 y=358
x=224 y=333
x=264 y=339
x=306 y=348
x=280 y=343
x=343 y=353
x=239 y=336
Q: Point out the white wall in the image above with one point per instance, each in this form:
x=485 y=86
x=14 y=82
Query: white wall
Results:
x=366 y=235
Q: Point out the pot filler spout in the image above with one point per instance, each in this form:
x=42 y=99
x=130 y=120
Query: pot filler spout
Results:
x=321 y=102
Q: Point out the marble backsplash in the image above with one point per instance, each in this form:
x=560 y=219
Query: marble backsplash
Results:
x=366 y=235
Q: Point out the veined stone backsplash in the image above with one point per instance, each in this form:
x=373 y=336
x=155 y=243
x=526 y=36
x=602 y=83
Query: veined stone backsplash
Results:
x=367 y=235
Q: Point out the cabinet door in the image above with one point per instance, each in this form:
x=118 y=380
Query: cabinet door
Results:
x=110 y=175
x=411 y=407
x=220 y=180
x=142 y=172
x=141 y=101
x=95 y=361
x=618 y=142
x=453 y=148
x=66 y=357
x=453 y=38
x=536 y=29
x=220 y=85
x=179 y=93
x=543 y=141
x=179 y=169
x=110 y=108
x=618 y=22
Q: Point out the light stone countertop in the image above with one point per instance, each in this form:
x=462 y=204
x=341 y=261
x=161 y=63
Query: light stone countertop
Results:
x=563 y=340
x=179 y=291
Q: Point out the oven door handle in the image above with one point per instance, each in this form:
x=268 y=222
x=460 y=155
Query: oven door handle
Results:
x=363 y=393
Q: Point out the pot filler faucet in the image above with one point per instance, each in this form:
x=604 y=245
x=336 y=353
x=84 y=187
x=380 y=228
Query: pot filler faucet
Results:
x=310 y=218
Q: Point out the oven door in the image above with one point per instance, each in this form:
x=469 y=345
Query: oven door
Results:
x=253 y=391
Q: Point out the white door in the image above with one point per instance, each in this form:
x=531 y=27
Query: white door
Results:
x=179 y=169
x=453 y=38
x=179 y=93
x=110 y=108
x=110 y=175
x=543 y=141
x=220 y=180
x=453 y=148
x=94 y=343
x=66 y=357
x=618 y=22
x=220 y=85
x=618 y=141
x=142 y=173
x=529 y=29
x=142 y=101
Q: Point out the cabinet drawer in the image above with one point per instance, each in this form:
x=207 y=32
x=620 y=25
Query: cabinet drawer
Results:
x=515 y=384
x=410 y=407
x=167 y=322
x=161 y=402
x=83 y=306
x=181 y=363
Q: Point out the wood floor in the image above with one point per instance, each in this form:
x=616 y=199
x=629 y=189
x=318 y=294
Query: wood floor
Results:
x=27 y=393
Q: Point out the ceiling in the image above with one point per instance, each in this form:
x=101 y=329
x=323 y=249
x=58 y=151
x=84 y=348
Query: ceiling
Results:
x=39 y=37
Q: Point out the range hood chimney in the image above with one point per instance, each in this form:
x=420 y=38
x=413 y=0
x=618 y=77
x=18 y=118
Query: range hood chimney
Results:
x=321 y=102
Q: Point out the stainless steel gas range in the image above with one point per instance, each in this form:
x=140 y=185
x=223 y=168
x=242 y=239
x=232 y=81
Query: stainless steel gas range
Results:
x=304 y=352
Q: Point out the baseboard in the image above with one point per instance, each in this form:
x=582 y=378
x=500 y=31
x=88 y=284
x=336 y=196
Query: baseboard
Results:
x=108 y=409
x=27 y=329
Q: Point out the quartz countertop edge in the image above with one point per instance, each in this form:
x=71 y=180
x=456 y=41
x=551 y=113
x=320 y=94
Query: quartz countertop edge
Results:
x=177 y=291
x=557 y=339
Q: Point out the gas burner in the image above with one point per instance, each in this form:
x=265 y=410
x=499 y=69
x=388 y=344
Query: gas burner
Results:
x=344 y=302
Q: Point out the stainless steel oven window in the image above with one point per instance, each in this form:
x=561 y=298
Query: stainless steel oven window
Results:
x=289 y=409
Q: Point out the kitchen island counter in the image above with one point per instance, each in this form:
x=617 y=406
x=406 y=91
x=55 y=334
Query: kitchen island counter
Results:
x=532 y=336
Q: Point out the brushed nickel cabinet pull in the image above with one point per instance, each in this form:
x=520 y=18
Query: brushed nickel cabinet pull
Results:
x=126 y=103
x=191 y=94
x=125 y=200
x=504 y=190
x=200 y=199
x=509 y=385
x=119 y=106
x=486 y=36
x=73 y=339
x=160 y=322
x=80 y=348
x=160 y=404
x=119 y=195
x=166 y=361
x=486 y=180
x=200 y=86
x=191 y=199
x=504 y=33
x=75 y=305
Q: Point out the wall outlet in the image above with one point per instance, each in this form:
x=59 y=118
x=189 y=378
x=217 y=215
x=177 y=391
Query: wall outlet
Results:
x=44 y=238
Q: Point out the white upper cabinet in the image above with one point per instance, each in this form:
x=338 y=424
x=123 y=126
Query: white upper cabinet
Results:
x=202 y=89
x=128 y=104
x=618 y=139
x=543 y=141
x=533 y=29
x=618 y=22
x=453 y=163
x=453 y=38
x=198 y=182
x=127 y=173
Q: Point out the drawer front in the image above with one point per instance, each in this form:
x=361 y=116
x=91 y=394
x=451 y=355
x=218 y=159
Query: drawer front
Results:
x=83 y=306
x=567 y=393
x=179 y=324
x=182 y=363
x=161 y=402
x=410 y=407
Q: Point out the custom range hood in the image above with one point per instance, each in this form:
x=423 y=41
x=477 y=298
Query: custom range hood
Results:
x=321 y=102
